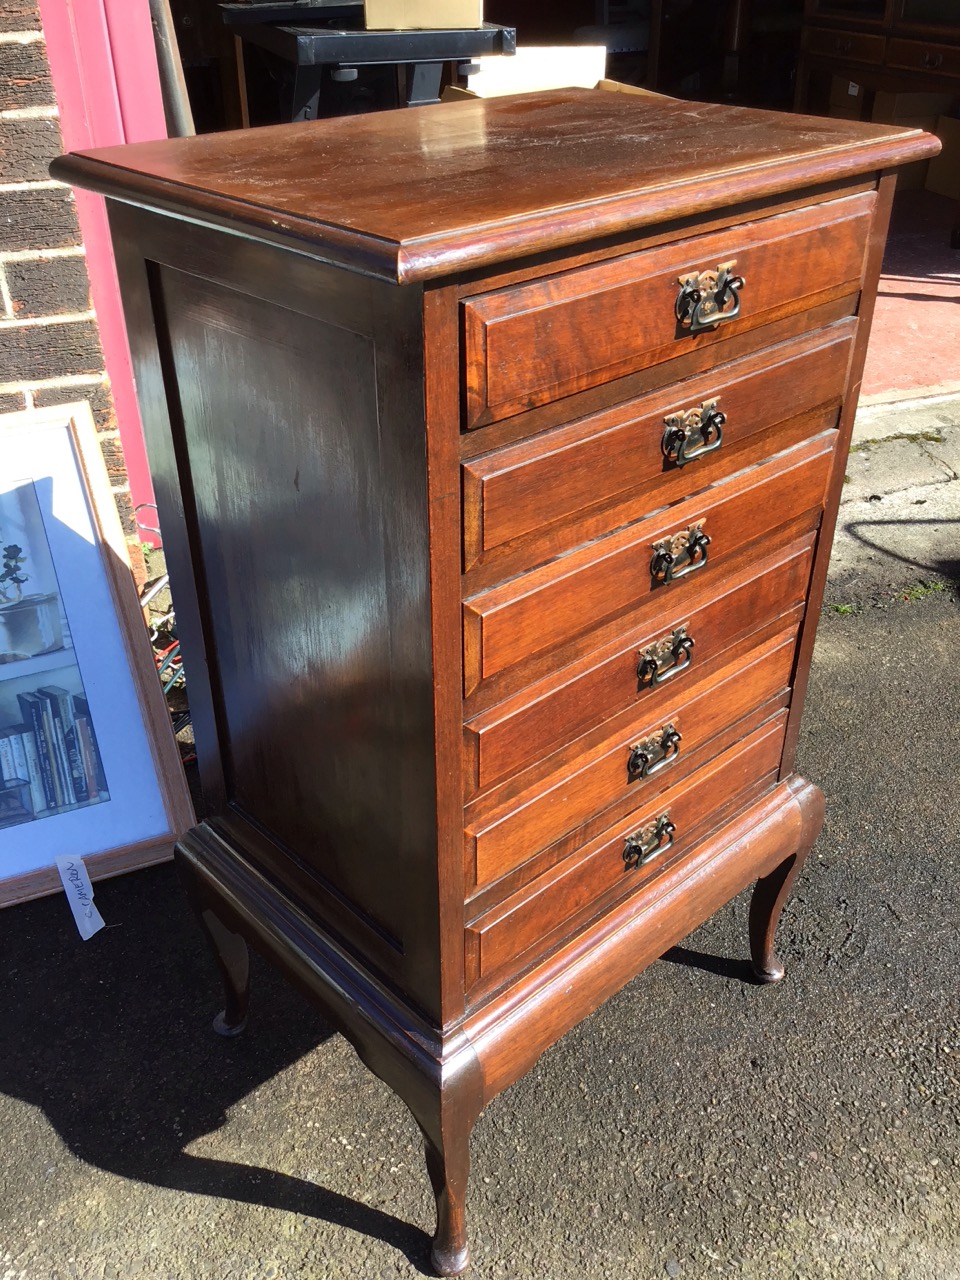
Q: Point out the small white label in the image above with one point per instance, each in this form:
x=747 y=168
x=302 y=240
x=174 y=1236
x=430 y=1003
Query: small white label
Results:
x=853 y=89
x=79 y=891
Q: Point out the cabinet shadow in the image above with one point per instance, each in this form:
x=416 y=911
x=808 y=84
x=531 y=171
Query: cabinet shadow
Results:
x=112 y=1041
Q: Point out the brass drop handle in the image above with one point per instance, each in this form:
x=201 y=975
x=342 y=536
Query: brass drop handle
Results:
x=654 y=753
x=680 y=554
x=843 y=44
x=649 y=842
x=693 y=433
x=708 y=298
x=932 y=61
x=664 y=659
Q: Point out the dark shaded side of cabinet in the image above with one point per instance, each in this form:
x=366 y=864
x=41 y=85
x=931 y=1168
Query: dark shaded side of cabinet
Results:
x=295 y=464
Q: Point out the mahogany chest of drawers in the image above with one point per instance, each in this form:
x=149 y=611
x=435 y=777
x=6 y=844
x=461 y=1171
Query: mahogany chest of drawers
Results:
x=498 y=449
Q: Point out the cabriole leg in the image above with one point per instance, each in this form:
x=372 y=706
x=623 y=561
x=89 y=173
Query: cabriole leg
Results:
x=449 y=1170
x=233 y=961
x=766 y=905
x=771 y=891
x=229 y=949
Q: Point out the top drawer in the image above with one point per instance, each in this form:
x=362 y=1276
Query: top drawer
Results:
x=858 y=46
x=533 y=343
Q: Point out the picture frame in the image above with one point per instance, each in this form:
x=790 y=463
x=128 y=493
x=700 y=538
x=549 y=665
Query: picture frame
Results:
x=89 y=766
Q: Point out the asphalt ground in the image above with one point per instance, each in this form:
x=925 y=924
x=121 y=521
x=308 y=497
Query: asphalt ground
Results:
x=697 y=1125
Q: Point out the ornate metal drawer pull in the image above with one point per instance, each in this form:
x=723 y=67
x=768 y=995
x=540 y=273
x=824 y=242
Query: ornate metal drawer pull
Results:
x=692 y=433
x=647 y=843
x=665 y=658
x=707 y=298
x=654 y=753
x=680 y=554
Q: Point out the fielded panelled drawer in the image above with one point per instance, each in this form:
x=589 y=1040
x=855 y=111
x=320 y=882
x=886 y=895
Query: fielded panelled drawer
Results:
x=518 y=341
x=497 y=448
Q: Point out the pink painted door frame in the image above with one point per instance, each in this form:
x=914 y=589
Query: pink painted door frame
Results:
x=105 y=77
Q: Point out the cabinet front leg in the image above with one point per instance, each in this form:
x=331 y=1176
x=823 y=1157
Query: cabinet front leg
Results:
x=771 y=891
x=449 y=1169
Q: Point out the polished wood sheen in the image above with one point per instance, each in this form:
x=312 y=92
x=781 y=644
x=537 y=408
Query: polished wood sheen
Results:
x=583 y=886
x=406 y=380
x=499 y=838
x=553 y=604
x=521 y=730
x=621 y=315
x=619 y=452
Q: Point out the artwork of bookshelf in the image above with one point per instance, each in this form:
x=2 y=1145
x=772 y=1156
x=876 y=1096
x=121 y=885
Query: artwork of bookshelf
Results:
x=49 y=756
x=88 y=764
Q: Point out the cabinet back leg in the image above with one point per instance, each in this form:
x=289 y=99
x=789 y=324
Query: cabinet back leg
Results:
x=229 y=951
x=233 y=960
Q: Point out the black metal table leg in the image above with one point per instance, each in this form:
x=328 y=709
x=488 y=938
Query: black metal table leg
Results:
x=306 y=92
x=423 y=83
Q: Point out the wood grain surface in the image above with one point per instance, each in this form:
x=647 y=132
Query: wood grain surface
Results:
x=549 y=607
x=587 y=883
x=530 y=726
x=427 y=192
x=534 y=343
x=413 y=647
x=588 y=464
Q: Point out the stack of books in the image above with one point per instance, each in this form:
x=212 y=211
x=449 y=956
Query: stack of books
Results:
x=50 y=762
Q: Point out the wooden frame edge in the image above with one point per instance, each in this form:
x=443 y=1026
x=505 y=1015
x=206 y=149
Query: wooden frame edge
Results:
x=175 y=794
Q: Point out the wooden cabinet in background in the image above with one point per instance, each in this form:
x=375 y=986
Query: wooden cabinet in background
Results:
x=895 y=46
x=498 y=449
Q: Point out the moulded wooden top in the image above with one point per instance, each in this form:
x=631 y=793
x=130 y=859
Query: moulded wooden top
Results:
x=424 y=192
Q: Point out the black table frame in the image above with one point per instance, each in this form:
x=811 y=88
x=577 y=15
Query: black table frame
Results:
x=312 y=49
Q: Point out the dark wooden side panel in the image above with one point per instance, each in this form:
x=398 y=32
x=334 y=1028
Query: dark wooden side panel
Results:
x=280 y=422
x=293 y=424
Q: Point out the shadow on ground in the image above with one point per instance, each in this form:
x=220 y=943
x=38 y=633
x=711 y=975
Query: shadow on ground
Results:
x=112 y=1041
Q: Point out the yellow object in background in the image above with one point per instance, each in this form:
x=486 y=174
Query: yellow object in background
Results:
x=414 y=15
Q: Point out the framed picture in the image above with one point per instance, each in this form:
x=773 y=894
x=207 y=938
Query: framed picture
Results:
x=88 y=763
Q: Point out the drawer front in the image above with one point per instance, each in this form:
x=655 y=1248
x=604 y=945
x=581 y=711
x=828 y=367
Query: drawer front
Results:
x=554 y=478
x=534 y=343
x=858 y=46
x=618 y=862
x=921 y=55
x=637 y=760
x=649 y=664
x=553 y=605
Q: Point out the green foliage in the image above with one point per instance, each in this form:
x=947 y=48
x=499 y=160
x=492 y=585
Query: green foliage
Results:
x=921 y=590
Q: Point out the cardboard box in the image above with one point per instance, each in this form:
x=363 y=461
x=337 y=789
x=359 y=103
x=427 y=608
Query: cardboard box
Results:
x=943 y=171
x=415 y=15
x=899 y=108
x=846 y=95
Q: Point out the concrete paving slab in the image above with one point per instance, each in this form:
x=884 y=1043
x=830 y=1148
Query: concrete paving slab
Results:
x=926 y=418
x=904 y=536
x=894 y=465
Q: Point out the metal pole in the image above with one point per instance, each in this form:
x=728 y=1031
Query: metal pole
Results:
x=173 y=86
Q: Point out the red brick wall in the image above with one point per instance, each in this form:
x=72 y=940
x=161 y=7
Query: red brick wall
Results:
x=49 y=345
